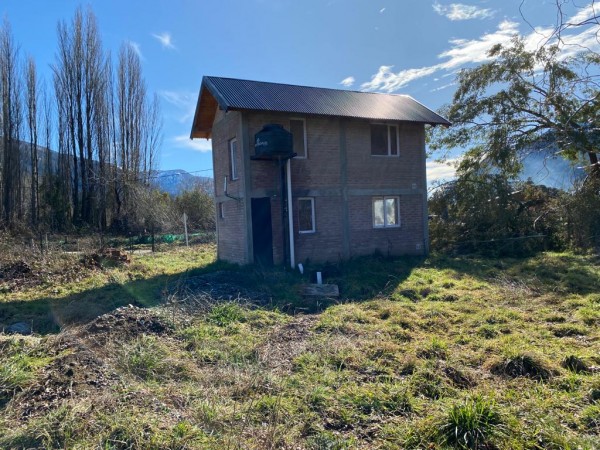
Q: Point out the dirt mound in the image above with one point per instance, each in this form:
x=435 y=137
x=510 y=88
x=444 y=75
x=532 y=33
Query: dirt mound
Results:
x=75 y=372
x=124 y=324
x=81 y=366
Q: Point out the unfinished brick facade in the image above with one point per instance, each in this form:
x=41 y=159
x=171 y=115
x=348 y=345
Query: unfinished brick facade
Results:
x=342 y=174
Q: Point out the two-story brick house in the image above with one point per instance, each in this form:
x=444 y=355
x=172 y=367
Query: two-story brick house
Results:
x=355 y=186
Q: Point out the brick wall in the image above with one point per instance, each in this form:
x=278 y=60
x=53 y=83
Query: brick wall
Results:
x=231 y=238
x=320 y=175
x=364 y=239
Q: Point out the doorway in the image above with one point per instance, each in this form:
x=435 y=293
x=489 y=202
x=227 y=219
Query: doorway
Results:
x=262 y=231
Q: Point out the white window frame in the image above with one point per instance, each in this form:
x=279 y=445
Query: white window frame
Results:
x=221 y=211
x=389 y=126
x=384 y=198
x=313 y=221
x=232 y=159
x=300 y=119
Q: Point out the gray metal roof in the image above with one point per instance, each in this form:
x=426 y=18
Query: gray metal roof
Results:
x=235 y=94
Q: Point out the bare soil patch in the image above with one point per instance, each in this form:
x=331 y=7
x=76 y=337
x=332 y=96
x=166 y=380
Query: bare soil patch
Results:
x=287 y=342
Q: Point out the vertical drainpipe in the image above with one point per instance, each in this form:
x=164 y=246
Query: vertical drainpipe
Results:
x=288 y=169
x=424 y=190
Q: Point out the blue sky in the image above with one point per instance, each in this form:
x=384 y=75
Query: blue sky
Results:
x=411 y=47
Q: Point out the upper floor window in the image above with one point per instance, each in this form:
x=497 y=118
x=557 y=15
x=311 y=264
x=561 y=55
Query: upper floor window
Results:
x=233 y=158
x=384 y=140
x=298 y=130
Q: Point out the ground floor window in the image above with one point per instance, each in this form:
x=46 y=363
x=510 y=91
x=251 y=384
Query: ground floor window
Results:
x=386 y=212
x=306 y=215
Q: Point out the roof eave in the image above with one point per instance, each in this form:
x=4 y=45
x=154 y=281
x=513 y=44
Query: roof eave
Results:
x=209 y=100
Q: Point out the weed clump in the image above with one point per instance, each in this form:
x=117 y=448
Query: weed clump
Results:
x=148 y=359
x=522 y=365
x=436 y=348
x=473 y=424
x=575 y=364
x=226 y=314
x=569 y=330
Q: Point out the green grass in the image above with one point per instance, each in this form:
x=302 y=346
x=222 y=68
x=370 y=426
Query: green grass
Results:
x=473 y=424
x=434 y=353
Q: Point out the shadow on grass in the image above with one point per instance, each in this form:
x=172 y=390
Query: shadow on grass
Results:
x=48 y=314
x=359 y=279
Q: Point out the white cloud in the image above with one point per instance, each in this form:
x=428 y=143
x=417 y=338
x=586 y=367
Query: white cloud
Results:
x=464 y=52
x=460 y=11
x=441 y=171
x=589 y=12
x=165 y=40
x=136 y=48
x=381 y=10
x=388 y=81
x=179 y=99
x=461 y=53
x=199 y=145
x=348 y=81
x=441 y=88
x=184 y=101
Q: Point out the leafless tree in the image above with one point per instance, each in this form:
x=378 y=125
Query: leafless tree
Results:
x=11 y=107
x=32 y=123
x=78 y=76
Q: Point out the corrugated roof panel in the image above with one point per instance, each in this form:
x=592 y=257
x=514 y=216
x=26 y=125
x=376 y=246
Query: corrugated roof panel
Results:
x=263 y=96
x=235 y=94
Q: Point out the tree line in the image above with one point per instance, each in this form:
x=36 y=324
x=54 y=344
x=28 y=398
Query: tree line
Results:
x=543 y=99
x=98 y=116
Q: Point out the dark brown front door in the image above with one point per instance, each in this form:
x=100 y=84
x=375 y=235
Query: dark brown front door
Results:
x=262 y=231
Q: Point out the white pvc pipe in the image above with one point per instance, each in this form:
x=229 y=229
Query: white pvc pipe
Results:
x=288 y=170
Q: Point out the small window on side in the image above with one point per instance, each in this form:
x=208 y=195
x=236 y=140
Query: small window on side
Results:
x=233 y=157
x=298 y=130
x=306 y=215
x=221 y=211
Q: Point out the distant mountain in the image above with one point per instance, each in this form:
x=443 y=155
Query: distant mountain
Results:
x=174 y=182
x=543 y=166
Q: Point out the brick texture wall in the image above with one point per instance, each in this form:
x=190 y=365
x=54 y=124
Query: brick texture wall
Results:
x=231 y=238
x=321 y=176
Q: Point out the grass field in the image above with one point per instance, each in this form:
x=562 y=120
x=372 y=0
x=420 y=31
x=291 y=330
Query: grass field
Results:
x=446 y=352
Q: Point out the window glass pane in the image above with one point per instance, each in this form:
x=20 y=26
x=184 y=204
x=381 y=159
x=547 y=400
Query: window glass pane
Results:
x=305 y=215
x=393 y=140
x=297 y=130
x=391 y=211
x=378 y=212
x=233 y=155
x=379 y=139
